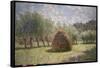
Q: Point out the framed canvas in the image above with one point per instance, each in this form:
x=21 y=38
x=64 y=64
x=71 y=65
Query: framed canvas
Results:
x=52 y=33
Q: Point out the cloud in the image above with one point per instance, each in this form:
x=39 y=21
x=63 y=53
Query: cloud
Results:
x=59 y=13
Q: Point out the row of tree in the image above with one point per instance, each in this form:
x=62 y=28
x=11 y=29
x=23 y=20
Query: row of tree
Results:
x=33 y=25
x=90 y=25
x=87 y=31
x=83 y=32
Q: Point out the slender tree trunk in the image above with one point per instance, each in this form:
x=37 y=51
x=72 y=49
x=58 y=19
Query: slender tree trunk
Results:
x=43 y=41
x=37 y=41
x=25 y=42
x=47 y=40
x=31 y=39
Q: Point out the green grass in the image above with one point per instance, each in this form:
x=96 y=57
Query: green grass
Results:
x=84 y=52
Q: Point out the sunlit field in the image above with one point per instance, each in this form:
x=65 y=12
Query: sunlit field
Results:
x=34 y=56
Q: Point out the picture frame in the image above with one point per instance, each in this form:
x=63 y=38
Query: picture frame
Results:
x=53 y=47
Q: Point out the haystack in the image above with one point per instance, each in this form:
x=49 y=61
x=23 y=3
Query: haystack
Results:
x=61 y=42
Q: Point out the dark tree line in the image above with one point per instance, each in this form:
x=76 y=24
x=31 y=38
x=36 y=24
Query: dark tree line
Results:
x=90 y=25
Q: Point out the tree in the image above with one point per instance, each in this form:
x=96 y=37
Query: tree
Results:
x=48 y=29
x=72 y=32
x=29 y=26
x=33 y=24
x=90 y=25
x=88 y=36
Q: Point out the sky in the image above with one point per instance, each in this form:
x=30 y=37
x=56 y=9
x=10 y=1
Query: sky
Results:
x=59 y=13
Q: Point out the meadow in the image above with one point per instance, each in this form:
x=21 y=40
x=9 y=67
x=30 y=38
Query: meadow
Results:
x=42 y=55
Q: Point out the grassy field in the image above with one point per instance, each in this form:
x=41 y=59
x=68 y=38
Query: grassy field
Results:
x=41 y=55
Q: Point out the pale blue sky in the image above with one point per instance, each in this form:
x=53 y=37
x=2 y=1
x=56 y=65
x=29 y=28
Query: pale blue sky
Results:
x=59 y=13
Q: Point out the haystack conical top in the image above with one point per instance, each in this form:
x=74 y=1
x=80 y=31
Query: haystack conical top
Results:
x=61 y=41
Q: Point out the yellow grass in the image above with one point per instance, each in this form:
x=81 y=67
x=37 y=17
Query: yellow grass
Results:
x=42 y=56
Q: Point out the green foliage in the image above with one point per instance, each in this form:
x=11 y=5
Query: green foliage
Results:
x=47 y=27
x=88 y=36
x=33 y=24
x=87 y=31
x=72 y=33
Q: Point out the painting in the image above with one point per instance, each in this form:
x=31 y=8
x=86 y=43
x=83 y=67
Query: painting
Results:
x=53 y=33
